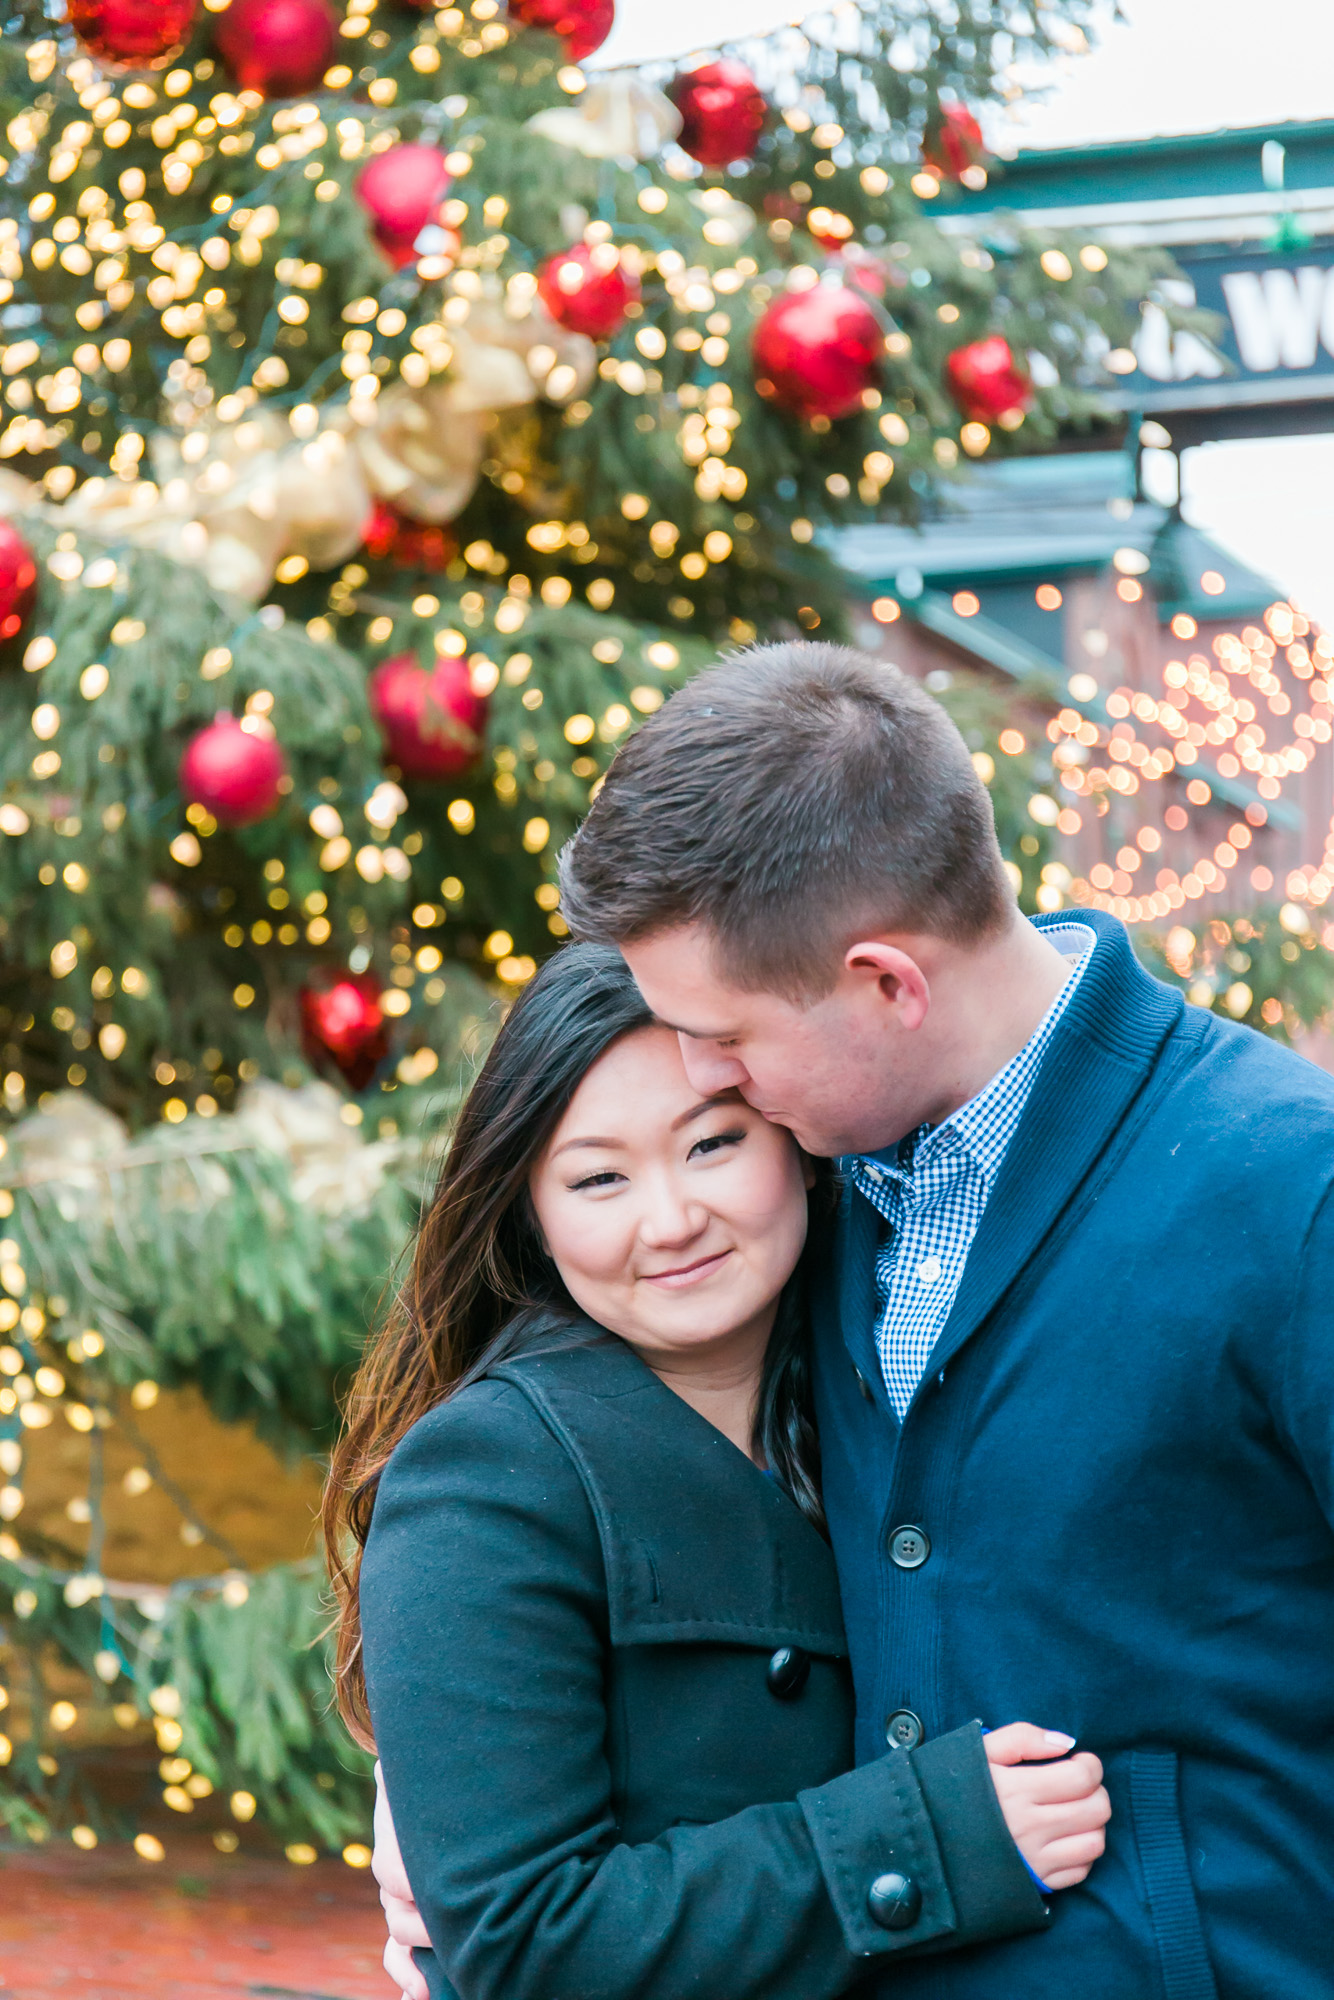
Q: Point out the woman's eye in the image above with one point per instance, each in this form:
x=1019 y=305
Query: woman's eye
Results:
x=714 y=1143
x=607 y=1179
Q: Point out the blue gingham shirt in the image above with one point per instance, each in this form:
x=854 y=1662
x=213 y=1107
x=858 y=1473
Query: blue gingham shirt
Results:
x=932 y=1187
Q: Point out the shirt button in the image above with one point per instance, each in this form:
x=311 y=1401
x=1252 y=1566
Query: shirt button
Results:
x=928 y=1270
x=904 y=1730
x=894 y=1901
x=909 y=1547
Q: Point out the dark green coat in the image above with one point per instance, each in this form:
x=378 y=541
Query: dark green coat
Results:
x=606 y=1786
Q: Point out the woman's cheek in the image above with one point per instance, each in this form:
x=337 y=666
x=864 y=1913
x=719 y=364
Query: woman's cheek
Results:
x=769 y=1206
x=591 y=1245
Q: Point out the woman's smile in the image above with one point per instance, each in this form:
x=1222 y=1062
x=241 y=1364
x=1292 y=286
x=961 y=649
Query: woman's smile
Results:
x=688 y=1274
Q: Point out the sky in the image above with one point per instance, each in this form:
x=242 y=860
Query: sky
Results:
x=1166 y=66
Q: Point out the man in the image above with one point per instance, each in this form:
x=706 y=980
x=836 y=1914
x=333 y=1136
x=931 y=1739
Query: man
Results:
x=1075 y=1377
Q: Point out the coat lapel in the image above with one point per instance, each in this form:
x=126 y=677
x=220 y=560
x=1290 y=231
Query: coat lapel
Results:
x=1104 y=1051
x=660 y=1478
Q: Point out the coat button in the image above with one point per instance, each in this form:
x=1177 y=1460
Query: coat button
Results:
x=894 y=1901
x=789 y=1671
x=909 y=1547
x=904 y=1730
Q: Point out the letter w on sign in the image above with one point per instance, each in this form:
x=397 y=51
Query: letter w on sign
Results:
x=1280 y=316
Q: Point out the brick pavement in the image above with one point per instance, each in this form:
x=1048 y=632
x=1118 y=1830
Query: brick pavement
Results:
x=197 y=1926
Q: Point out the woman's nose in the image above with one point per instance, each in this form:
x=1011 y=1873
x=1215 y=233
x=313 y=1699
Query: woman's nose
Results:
x=668 y=1218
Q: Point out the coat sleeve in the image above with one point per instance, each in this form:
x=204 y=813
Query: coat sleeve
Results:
x=484 y=1612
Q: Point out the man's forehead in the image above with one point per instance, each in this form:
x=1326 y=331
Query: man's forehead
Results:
x=676 y=977
x=708 y=1008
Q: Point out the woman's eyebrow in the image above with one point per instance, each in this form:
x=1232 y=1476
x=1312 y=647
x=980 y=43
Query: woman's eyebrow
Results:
x=686 y=1118
x=570 y=1144
x=705 y=1104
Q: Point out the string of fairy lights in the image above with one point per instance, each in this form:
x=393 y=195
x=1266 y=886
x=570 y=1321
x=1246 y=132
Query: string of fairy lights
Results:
x=1208 y=705
x=1204 y=722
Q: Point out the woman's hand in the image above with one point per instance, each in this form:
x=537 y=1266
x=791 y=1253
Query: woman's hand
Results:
x=406 y=1928
x=1055 y=1806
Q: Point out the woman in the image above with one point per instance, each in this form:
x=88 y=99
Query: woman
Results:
x=594 y=1625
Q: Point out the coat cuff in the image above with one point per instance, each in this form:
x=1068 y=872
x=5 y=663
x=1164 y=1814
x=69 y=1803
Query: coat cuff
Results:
x=869 y=1825
x=994 y=1892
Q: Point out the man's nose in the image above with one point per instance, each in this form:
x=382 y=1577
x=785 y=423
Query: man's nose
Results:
x=709 y=1068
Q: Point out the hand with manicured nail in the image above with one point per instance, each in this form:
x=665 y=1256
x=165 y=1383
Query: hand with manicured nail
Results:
x=1055 y=1805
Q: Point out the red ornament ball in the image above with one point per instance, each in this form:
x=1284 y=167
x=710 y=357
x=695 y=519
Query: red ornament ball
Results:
x=235 y=776
x=142 y=32
x=815 y=352
x=344 y=1021
x=583 y=25
x=587 y=288
x=402 y=192
x=18 y=580
x=956 y=145
x=281 y=48
x=722 y=112
x=431 y=719
x=408 y=544
x=986 y=381
x=867 y=272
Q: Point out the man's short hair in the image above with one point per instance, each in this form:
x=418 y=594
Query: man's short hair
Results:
x=787 y=800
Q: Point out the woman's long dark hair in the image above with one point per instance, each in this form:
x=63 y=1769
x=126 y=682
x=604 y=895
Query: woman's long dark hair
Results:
x=480 y=1286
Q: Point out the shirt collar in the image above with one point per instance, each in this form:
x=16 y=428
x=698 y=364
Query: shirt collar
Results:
x=985 y=1125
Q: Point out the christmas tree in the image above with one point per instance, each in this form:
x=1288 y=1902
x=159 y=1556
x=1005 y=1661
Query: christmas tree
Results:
x=394 y=414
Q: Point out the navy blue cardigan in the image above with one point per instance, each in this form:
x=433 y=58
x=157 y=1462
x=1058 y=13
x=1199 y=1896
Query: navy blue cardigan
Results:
x=1123 y=1456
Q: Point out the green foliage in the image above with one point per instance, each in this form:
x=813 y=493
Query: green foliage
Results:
x=201 y=1254
x=245 y=1667
x=1255 y=969
x=1018 y=776
x=185 y=263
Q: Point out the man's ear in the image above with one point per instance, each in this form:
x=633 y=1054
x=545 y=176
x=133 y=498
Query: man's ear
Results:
x=899 y=978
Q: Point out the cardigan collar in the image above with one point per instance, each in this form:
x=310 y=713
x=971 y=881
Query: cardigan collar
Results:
x=1117 y=1006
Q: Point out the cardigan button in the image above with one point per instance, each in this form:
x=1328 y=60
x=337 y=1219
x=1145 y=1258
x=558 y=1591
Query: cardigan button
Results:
x=868 y=1394
x=904 y=1730
x=909 y=1547
x=894 y=1901
x=789 y=1670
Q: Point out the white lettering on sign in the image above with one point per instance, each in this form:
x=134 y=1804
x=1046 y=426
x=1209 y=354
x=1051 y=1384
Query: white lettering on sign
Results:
x=1280 y=316
x=1170 y=356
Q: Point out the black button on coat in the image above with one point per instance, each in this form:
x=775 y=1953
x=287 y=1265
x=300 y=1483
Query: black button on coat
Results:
x=573 y=1593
